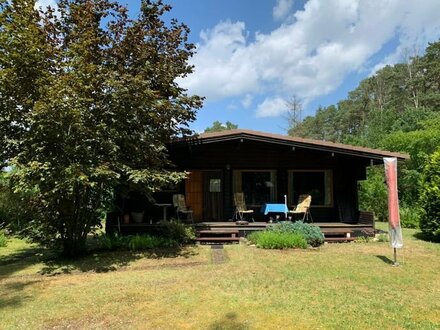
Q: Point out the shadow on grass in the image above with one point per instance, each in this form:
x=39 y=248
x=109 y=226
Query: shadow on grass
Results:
x=427 y=238
x=229 y=321
x=23 y=258
x=386 y=260
x=97 y=260
x=107 y=261
x=13 y=293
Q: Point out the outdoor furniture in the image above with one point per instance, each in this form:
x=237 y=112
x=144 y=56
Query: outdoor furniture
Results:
x=240 y=207
x=274 y=208
x=303 y=207
x=164 y=207
x=181 y=208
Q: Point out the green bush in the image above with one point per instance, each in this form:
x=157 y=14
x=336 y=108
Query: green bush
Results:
x=277 y=240
x=146 y=242
x=113 y=241
x=312 y=234
x=373 y=195
x=430 y=197
x=409 y=217
x=383 y=238
x=362 y=239
x=178 y=232
x=3 y=239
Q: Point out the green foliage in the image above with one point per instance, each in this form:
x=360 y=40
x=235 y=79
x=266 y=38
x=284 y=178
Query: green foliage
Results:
x=218 y=126
x=383 y=238
x=177 y=231
x=430 y=197
x=396 y=109
x=278 y=240
x=113 y=241
x=362 y=239
x=312 y=234
x=410 y=217
x=3 y=239
x=147 y=242
x=88 y=101
x=373 y=195
x=17 y=208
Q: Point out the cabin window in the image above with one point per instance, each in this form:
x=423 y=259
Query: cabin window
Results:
x=317 y=183
x=258 y=186
x=215 y=185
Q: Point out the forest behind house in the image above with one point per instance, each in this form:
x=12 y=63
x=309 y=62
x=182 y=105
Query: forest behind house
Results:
x=396 y=109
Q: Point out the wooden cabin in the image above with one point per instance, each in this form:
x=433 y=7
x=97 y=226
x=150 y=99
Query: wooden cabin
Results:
x=267 y=168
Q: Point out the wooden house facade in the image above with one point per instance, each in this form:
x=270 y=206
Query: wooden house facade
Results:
x=268 y=167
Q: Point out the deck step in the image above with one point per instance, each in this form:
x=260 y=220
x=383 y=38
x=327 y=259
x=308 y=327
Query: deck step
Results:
x=217 y=232
x=336 y=230
x=339 y=239
x=217 y=239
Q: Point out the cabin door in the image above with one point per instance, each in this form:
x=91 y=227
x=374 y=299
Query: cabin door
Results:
x=213 y=195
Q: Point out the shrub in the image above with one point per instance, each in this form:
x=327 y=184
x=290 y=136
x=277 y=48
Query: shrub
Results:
x=277 y=240
x=382 y=238
x=113 y=241
x=362 y=239
x=3 y=239
x=178 y=232
x=373 y=195
x=409 y=217
x=430 y=197
x=146 y=242
x=312 y=234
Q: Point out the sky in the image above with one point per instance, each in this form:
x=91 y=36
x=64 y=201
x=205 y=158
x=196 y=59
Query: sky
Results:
x=253 y=56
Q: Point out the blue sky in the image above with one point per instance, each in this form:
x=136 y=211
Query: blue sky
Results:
x=254 y=55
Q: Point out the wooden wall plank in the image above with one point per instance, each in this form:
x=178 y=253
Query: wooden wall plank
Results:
x=194 y=193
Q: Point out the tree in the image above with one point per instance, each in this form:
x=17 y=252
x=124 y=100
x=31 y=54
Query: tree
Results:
x=294 y=113
x=104 y=106
x=217 y=126
x=430 y=197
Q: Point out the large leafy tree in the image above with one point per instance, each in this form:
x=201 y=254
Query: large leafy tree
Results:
x=97 y=109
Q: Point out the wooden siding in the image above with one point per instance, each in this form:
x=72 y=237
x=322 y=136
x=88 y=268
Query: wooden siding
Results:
x=244 y=154
x=194 y=193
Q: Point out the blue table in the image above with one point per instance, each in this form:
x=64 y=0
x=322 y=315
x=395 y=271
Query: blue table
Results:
x=274 y=208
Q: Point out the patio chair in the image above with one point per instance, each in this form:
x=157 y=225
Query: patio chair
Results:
x=303 y=207
x=181 y=208
x=240 y=208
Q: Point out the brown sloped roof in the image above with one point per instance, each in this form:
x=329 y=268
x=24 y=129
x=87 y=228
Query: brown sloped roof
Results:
x=294 y=142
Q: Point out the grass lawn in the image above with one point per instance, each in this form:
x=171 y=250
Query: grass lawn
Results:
x=339 y=286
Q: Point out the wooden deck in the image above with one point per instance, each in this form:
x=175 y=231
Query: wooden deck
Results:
x=229 y=231
x=333 y=231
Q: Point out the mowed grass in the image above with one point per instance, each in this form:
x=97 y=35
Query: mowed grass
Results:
x=338 y=286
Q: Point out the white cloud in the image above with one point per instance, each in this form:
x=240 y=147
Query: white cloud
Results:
x=272 y=107
x=222 y=64
x=282 y=9
x=309 y=55
x=246 y=102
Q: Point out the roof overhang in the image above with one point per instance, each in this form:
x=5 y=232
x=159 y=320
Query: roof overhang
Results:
x=294 y=142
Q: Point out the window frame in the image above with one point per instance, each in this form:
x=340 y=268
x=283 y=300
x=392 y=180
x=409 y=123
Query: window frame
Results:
x=237 y=183
x=328 y=186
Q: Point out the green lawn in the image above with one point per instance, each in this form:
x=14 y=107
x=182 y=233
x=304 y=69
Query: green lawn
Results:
x=339 y=286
